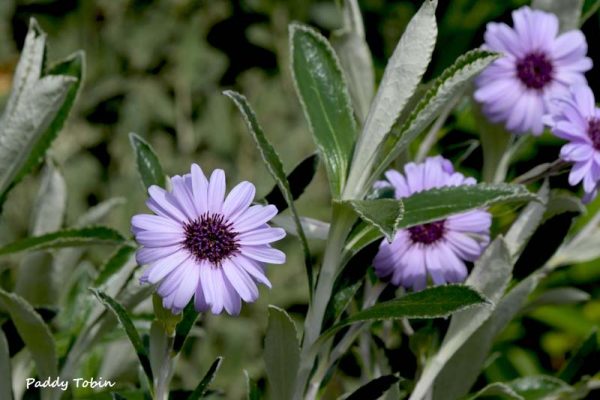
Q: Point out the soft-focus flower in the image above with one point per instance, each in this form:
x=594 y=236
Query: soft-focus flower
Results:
x=438 y=249
x=577 y=119
x=537 y=65
x=204 y=245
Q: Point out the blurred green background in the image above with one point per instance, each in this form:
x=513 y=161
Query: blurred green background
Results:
x=158 y=67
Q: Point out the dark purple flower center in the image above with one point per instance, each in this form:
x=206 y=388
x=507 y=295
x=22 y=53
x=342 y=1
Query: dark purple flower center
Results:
x=594 y=132
x=210 y=238
x=427 y=233
x=534 y=70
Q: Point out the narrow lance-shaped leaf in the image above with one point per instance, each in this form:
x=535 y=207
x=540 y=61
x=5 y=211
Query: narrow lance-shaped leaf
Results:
x=33 y=114
x=527 y=222
x=97 y=235
x=490 y=277
x=190 y=315
x=470 y=358
x=29 y=68
x=449 y=84
x=275 y=168
x=74 y=67
x=435 y=302
x=34 y=333
x=132 y=333
x=282 y=353
x=435 y=204
x=325 y=99
x=400 y=79
x=298 y=180
x=148 y=165
x=41 y=108
x=202 y=387
x=51 y=202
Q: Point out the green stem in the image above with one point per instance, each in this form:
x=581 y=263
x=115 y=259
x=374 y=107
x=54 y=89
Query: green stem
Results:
x=342 y=220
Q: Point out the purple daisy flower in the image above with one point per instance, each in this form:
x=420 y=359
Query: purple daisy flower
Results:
x=204 y=245
x=577 y=119
x=440 y=248
x=537 y=65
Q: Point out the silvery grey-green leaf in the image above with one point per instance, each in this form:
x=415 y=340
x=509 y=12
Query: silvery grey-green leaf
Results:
x=32 y=115
x=453 y=81
x=323 y=93
x=402 y=75
x=527 y=222
x=35 y=334
x=281 y=353
x=29 y=68
x=490 y=277
x=470 y=358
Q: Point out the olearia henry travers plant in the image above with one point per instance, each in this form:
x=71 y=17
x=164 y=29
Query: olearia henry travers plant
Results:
x=419 y=230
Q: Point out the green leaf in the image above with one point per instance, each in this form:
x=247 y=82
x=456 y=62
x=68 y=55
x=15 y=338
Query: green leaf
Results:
x=590 y=7
x=34 y=333
x=361 y=236
x=282 y=353
x=434 y=302
x=275 y=167
x=432 y=205
x=253 y=390
x=490 y=277
x=74 y=67
x=190 y=315
x=132 y=333
x=527 y=222
x=30 y=66
x=384 y=214
x=355 y=57
x=298 y=179
x=5 y=369
x=324 y=96
x=38 y=111
x=539 y=387
x=585 y=358
x=435 y=204
x=22 y=131
x=51 y=202
x=97 y=235
x=451 y=83
x=402 y=75
x=374 y=389
x=200 y=390
x=499 y=390
x=567 y=11
x=114 y=264
x=149 y=168
x=470 y=358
